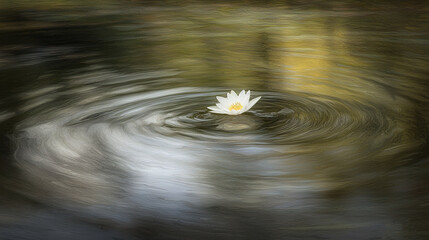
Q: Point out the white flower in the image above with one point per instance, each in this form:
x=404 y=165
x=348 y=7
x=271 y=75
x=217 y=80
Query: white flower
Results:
x=233 y=104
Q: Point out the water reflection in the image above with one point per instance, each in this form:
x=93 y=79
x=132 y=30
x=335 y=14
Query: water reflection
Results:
x=106 y=121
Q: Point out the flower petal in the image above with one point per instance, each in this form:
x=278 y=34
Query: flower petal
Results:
x=246 y=99
x=233 y=96
x=241 y=96
x=223 y=101
x=214 y=108
x=252 y=102
x=222 y=107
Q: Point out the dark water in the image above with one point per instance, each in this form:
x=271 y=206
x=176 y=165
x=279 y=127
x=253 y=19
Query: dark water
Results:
x=105 y=132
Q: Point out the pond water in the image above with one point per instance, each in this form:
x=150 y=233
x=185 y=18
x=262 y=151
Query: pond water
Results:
x=105 y=131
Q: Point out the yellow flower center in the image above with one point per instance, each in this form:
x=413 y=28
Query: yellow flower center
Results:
x=235 y=106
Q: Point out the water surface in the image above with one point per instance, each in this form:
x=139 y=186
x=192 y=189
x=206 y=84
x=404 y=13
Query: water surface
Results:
x=105 y=131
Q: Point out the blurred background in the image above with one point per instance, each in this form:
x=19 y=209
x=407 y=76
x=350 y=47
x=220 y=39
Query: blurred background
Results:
x=105 y=131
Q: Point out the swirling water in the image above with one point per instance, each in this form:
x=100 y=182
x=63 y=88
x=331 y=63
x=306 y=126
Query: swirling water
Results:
x=106 y=133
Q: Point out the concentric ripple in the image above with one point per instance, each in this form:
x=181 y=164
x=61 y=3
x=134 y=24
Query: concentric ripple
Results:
x=164 y=153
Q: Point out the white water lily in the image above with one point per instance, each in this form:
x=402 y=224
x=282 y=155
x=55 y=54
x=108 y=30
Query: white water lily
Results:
x=234 y=104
